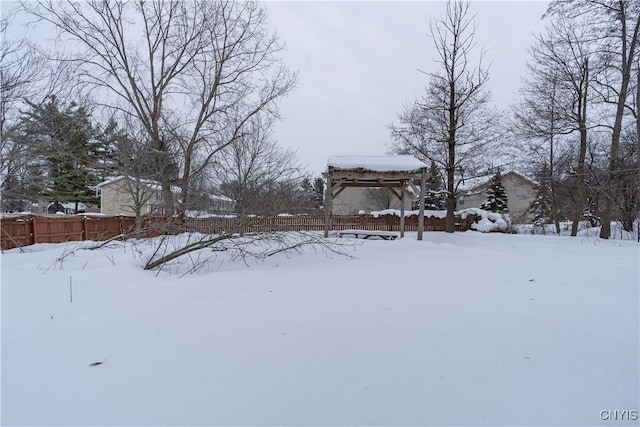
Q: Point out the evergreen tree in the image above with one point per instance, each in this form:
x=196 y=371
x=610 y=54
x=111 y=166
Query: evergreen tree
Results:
x=496 y=196
x=63 y=152
x=313 y=192
x=110 y=139
x=541 y=205
x=435 y=197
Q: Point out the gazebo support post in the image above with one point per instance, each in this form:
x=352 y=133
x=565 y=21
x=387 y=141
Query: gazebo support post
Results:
x=328 y=208
x=423 y=184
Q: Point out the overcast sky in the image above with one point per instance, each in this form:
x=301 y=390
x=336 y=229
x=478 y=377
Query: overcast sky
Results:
x=358 y=65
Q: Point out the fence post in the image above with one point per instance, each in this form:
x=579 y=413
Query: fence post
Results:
x=33 y=229
x=84 y=228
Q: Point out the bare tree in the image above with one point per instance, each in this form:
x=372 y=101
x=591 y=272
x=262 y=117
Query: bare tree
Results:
x=26 y=73
x=616 y=23
x=137 y=174
x=559 y=96
x=628 y=188
x=537 y=119
x=192 y=74
x=251 y=170
x=450 y=124
x=378 y=199
x=257 y=246
x=20 y=70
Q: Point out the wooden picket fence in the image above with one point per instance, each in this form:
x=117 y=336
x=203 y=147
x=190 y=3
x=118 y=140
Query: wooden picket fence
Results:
x=25 y=230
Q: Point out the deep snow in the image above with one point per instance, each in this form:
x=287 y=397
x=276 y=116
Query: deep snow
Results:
x=462 y=329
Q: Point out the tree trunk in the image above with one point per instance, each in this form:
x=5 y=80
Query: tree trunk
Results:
x=580 y=190
x=627 y=59
x=554 y=197
x=612 y=184
x=451 y=202
x=638 y=133
x=451 y=197
x=582 y=111
x=167 y=197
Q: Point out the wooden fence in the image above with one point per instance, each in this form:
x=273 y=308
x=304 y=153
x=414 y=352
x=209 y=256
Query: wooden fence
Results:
x=18 y=231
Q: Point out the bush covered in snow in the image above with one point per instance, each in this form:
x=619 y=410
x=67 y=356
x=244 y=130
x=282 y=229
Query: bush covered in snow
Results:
x=407 y=213
x=487 y=221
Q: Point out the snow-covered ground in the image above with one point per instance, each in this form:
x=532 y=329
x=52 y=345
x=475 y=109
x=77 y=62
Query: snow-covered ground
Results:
x=462 y=329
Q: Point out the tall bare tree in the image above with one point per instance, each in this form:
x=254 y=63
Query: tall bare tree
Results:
x=378 y=199
x=557 y=102
x=451 y=123
x=20 y=70
x=616 y=23
x=192 y=74
x=255 y=170
x=537 y=119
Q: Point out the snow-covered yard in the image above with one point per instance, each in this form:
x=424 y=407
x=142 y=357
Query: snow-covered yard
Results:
x=462 y=329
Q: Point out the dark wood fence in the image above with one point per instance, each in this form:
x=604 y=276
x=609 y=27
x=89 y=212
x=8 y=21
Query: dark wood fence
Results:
x=25 y=230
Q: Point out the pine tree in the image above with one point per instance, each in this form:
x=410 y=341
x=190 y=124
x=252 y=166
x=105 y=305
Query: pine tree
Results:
x=62 y=149
x=496 y=196
x=435 y=198
x=541 y=205
x=313 y=192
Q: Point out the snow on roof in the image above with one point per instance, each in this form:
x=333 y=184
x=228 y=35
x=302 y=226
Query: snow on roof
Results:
x=153 y=185
x=471 y=184
x=219 y=197
x=404 y=163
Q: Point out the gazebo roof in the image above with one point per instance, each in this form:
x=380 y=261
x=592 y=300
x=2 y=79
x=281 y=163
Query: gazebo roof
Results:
x=401 y=163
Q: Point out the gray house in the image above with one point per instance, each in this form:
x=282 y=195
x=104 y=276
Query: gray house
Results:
x=124 y=195
x=520 y=189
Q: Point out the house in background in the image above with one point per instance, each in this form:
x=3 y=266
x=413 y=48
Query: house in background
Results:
x=213 y=204
x=352 y=200
x=520 y=189
x=122 y=195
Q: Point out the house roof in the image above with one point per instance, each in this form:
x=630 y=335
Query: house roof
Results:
x=403 y=163
x=153 y=185
x=223 y=198
x=475 y=183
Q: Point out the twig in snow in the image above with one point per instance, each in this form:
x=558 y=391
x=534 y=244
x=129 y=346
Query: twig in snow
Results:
x=98 y=363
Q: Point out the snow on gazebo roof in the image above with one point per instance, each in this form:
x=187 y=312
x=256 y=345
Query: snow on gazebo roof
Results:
x=403 y=163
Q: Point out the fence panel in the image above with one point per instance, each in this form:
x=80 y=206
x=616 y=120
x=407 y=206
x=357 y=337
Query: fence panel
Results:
x=29 y=229
x=16 y=232
x=57 y=229
x=105 y=228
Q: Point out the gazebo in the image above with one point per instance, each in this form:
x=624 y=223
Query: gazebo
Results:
x=392 y=172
